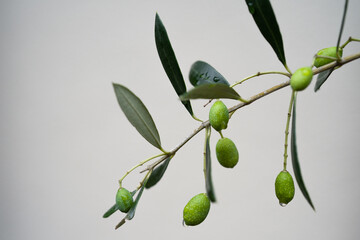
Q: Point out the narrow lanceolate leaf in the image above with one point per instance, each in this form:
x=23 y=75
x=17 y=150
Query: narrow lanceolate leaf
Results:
x=295 y=159
x=208 y=176
x=211 y=91
x=137 y=114
x=130 y=215
x=109 y=212
x=203 y=73
x=169 y=62
x=132 y=210
x=342 y=25
x=321 y=78
x=265 y=19
x=157 y=173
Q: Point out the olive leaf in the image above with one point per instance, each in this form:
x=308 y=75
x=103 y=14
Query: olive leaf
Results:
x=342 y=25
x=208 y=176
x=265 y=19
x=295 y=158
x=203 y=73
x=211 y=91
x=130 y=215
x=169 y=62
x=137 y=114
x=158 y=173
x=321 y=78
x=111 y=210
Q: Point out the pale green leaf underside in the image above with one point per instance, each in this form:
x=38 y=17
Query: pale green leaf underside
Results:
x=109 y=212
x=208 y=176
x=321 y=78
x=211 y=91
x=137 y=114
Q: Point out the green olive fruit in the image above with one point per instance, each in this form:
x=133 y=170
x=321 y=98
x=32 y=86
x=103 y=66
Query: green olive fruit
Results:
x=284 y=187
x=219 y=116
x=227 y=153
x=326 y=52
x=196 y=210
x=124 y=200
x=301 y=78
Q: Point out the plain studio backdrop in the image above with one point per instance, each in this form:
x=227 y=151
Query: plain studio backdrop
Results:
x=65 y=142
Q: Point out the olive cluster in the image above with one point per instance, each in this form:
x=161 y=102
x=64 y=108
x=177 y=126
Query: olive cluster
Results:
x=197 y=209
x=303 y=76
x=226 y=151
x=300 y=80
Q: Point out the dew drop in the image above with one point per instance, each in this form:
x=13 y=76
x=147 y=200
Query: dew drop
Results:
x=251 y=8
x=183 y=223
x=283 y=204
x=216 y=79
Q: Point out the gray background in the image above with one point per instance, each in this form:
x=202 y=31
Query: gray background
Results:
x=65 y=142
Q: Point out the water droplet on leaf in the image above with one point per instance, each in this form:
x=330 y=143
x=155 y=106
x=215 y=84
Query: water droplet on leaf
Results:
x=251 y=8
x=283 y=204
x=183 y=223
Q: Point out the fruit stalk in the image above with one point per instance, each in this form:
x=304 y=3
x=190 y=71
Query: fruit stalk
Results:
x=287 y=128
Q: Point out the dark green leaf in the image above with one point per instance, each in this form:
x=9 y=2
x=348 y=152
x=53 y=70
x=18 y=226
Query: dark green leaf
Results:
x=132 y=210
x=208 y=176
x=295 y=159
x=109 y=212
x=203 y=73
x=265 y=19
x=168 y=60
x=157 y=174
x=321 y=78
x=211 y=91
x=342 y=25
x=137 y=114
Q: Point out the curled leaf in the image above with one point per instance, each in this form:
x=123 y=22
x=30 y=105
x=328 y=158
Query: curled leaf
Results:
x=203 y=73
x=211 y=91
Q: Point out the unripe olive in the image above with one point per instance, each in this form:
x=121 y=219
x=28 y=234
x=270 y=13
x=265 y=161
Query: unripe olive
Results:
x=196 y=210
x=301 y=78
x=227 y=153
x=219 y=116
x=284 y=187
x=124 y=200
x=327 y=52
